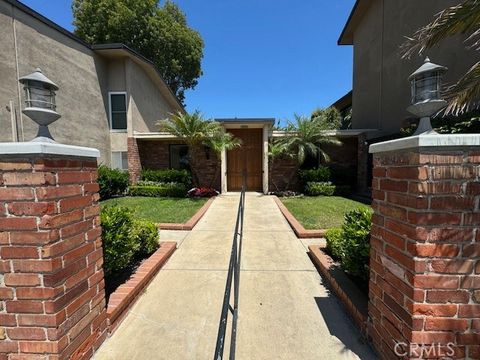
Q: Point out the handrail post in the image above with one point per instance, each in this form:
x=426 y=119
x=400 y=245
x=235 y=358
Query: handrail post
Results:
x=233 y=272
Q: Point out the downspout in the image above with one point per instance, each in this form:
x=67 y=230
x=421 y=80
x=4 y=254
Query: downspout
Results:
x=19 y=88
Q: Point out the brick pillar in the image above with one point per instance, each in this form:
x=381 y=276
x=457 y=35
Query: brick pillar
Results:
x=424 y=261
x=52 y=298
x=134 y=163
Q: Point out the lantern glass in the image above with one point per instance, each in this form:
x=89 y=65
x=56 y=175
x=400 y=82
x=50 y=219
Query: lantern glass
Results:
x=426 y=87
x=39 y=95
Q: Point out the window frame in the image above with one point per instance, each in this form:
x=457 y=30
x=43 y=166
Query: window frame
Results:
x=121 y=160
x=110 y=119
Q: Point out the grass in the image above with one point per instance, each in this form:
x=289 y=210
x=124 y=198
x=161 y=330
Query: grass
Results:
x=160 y=210
x=320 y=212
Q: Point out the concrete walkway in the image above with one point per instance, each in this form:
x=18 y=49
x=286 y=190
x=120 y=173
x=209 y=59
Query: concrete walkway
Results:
x=285 y=311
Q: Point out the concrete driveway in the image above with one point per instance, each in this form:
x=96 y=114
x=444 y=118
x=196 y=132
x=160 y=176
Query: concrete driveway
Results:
x=285 y=312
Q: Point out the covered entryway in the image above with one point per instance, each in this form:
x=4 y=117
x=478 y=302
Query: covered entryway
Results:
x=247 y=159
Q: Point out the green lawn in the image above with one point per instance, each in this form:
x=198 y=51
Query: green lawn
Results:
x=160 y=210
x=320 y=212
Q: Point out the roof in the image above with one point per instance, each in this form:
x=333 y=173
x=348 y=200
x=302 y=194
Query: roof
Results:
x=247 y=120
x=344 y=102
x=356 y=15
x=95 y=48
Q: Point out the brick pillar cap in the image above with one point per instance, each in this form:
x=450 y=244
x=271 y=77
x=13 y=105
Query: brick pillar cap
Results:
x=34 y=148
x=430 y=141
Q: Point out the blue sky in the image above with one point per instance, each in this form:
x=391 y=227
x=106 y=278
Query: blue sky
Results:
x=262 y=58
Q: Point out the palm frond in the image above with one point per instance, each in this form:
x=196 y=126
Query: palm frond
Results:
x=461 y=19
x=465 y=94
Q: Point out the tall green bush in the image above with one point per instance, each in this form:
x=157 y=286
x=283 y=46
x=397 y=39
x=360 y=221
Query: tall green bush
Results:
x=112 y=182
x=119 y=246
x=125 y=238
x=335 y=242
x=167 y=176
x=356 y=242
x=321 y=174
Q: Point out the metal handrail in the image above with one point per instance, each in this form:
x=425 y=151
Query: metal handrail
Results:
x=233 y=274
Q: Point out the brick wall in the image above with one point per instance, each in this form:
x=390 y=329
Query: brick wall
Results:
x=282 y=174
x=425 y=268
x=52 y=299
x=156 y=155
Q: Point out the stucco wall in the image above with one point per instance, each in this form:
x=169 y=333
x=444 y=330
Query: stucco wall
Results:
x=381 y=89
x=71 y=65
x=148 y=104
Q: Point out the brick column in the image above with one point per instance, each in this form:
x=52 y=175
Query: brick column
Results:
x=134 y=163
x=52 y=298
x=425 y=248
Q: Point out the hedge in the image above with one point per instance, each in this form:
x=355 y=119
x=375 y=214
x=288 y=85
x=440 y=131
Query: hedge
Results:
x=160 y=190
x=321 y=174
x=167 y=176
x=112 y=182
x=125 y=238
x=326 y=189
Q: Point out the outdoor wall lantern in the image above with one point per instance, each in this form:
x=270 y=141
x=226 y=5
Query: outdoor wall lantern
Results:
x=40 y=103
x=427 y=99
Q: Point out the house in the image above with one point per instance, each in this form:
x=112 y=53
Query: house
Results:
x=381 y=93
x=111 y=98
x=107 y=92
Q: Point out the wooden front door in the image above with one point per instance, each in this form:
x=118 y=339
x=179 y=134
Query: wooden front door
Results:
x=246 y=159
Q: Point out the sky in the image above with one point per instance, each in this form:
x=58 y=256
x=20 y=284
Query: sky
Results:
x=262 y=58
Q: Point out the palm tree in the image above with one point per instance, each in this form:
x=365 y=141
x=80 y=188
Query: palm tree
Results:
x=194 y=130
x=464 y=20
x=221 y=141
x=306 y=137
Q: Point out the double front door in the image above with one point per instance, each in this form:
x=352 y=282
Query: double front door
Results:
x=246 y=159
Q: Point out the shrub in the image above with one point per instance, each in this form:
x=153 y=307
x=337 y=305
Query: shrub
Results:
x=112 y=182
x=319 y=188
x=125 y=238
x=119 y=247
x=334 y=239
x=145 y=234
x=322 y=174
x=167 y=176
x=356 y=242
x=160 y=190
x=202 y=192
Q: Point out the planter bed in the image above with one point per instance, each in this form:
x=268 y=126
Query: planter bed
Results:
x=352 y=297
x=125 y=295
x=191 y=222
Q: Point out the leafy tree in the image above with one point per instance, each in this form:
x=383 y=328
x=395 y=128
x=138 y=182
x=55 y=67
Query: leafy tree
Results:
x=461 y=20
x=330 y=118
x=160 y=33
x=221 y=141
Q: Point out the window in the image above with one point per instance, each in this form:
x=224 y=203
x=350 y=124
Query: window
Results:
x=120 y=160
x=118 y=111
x=178 y=157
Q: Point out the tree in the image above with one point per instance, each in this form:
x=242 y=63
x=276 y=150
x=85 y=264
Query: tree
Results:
x=306 y=137
x=160 y=33
x=463 y=20
x=329 y=117
x=221 y=141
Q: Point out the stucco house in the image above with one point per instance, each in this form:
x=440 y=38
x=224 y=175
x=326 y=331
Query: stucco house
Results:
x=381 y=93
